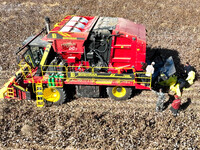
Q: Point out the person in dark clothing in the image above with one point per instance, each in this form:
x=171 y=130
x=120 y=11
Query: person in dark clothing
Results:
x=144 y=66
x=175 y=105
x=183 y=83
x=188 y=68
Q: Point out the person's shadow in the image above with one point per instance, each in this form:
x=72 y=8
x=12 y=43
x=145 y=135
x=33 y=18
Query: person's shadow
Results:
x=170 y=100
x=185 y=105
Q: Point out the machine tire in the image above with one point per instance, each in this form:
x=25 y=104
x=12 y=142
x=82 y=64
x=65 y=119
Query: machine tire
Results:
x=119 y=93
x=58 y=98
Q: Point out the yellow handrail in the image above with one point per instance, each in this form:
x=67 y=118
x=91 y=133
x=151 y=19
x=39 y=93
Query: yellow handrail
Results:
x=142 y=76
x=46 y=70
x=66 y=69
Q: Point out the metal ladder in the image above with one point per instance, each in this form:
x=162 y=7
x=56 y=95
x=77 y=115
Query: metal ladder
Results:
x=10 y=92
x=25 y=69
x=39 y=95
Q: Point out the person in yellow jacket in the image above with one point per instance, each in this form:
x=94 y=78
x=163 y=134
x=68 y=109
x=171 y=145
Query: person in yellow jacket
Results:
x=189 y=70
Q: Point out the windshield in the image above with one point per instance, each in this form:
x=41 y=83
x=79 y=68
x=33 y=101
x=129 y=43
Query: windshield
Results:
x=33 y=55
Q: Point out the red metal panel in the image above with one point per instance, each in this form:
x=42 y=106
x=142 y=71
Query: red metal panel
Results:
x=69 y=49
x=140 y=54
x=128 y=49
x=132 y=28
x=15 y=92
x=139 y=86
x=68 y=46
x=123 y=50
x=20 y=94
x=71 y=59
x=23 y=95
x=71 y=35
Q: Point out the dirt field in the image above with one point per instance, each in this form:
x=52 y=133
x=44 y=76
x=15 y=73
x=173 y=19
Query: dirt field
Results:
x=86 y=123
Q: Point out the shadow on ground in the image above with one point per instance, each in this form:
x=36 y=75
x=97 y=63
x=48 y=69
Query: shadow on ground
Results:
x=185 y=105
x=161 y=54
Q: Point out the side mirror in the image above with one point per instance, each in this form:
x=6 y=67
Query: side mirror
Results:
x=18 y=59
x=47 y=23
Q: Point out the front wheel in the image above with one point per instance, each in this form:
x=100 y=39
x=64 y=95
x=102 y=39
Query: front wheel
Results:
x=55 y=95
x=119 y=92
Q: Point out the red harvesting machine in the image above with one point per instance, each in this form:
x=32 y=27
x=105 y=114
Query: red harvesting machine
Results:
x=81 y=55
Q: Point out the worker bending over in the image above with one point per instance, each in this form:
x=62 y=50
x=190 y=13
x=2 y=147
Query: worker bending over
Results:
x=189 y=70
x=175 y=105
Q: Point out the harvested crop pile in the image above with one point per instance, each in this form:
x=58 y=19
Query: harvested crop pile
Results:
x=173 y=28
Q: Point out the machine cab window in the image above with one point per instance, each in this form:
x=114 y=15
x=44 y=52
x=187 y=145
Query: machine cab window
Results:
x=33 y=55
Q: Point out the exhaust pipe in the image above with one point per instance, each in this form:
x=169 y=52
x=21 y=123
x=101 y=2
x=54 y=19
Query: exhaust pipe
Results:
x=47 y=24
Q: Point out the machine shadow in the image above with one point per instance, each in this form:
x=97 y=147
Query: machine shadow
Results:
x=161 y=54
x=167 y=103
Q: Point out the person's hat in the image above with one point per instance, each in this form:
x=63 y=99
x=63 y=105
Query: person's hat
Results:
x=153 y=63
x=176 y=96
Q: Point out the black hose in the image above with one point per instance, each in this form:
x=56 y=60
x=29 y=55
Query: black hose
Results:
x=108 y=38
x=99 y=56
x=106 y=47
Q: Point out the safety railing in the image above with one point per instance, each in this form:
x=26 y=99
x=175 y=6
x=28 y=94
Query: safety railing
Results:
x=118 y=70
x=66 y=69
x=56 y=74
x=94 y=73
x=26 y=70
x=142 y=79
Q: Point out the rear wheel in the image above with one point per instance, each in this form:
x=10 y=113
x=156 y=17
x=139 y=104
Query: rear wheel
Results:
x=55 y=95
x=119 y=92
